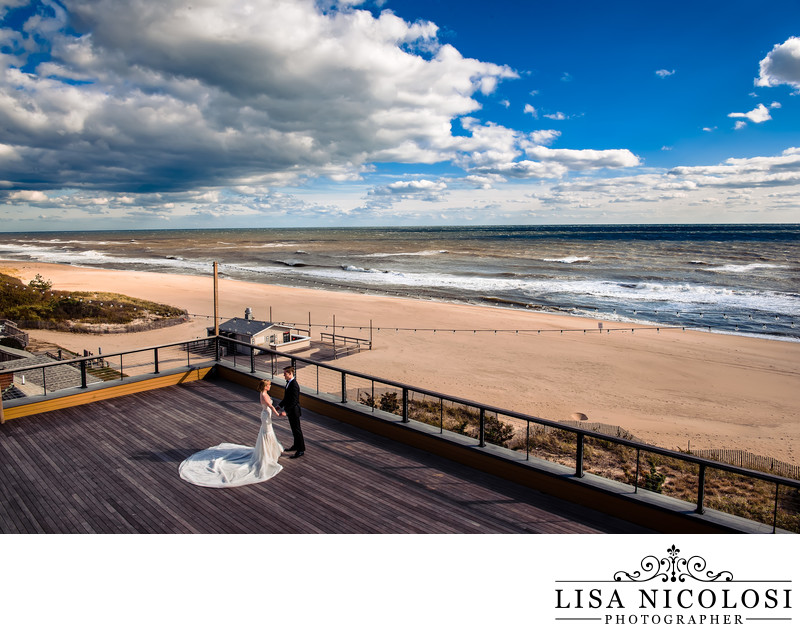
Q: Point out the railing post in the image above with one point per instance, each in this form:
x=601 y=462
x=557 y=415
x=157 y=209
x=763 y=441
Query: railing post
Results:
x=636 y=480
x=83 y=373
x=528 y=441
x=155 y=359
x=252 y=360
x=701 y=488
x=579 y=456
x=344 y=388
x=120 y=367
x=216 y=349
x=44 y=381
x=482 y=429
x=405 y=405
x=775 y=510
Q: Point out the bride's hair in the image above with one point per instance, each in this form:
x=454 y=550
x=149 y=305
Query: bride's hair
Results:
x=263 y=386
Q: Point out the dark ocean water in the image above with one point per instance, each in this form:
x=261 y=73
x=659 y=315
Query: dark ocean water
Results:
x=736 y=278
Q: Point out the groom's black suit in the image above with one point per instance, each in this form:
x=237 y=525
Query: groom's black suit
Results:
x=291 y=404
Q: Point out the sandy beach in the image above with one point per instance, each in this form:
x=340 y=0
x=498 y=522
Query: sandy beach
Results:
x=669 y=387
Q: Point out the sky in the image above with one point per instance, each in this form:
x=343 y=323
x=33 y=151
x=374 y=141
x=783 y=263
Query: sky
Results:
x=157 y=114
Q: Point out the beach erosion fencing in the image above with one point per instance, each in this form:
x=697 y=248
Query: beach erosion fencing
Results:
x=743 y=458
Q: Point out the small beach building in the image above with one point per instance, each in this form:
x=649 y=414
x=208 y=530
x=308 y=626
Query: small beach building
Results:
x=261 y=333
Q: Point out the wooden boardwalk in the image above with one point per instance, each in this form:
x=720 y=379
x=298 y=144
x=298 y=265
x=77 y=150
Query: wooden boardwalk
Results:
x=111 y=467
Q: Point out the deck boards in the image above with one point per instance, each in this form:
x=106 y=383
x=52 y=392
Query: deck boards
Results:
x=111 y=467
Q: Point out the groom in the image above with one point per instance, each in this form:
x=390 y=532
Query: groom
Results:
x=291 y=405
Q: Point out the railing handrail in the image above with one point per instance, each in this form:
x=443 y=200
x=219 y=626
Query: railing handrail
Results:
x=682 y=456
x=99 y=356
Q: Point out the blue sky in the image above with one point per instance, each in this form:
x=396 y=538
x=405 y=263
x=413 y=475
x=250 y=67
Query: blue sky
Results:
x=163 y=114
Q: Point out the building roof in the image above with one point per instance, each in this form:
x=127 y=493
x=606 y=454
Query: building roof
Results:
x=244 y=326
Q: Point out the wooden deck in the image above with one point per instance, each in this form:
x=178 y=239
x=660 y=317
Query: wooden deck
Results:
x=111 y=467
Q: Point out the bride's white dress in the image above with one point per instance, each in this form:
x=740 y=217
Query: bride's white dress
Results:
x=232 y=465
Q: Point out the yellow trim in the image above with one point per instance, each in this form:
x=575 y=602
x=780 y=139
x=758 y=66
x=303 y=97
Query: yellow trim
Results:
x=109 y=392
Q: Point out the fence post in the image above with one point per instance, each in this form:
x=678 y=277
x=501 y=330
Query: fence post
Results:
x=579 y=456
x=636 y=480
x=83 y=373
x=44 y=381
x=701 y=489
x=344 y=388
x=155 y=359
x=216 y=349
x=121 y=376
x=482 y=429
x=252 y=360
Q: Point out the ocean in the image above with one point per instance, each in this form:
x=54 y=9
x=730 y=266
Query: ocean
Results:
x=740 y=279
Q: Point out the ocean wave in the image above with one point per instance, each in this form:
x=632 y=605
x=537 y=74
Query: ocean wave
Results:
x=678 y=296
x=745 y=267
x=571 y=259
x=421 y=253
x=350 y=268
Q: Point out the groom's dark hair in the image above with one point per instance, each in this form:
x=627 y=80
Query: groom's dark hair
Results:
x=288 y=369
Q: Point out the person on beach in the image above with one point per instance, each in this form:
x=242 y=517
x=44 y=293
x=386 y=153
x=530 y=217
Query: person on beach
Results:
x=291 y=405
x=231 y=465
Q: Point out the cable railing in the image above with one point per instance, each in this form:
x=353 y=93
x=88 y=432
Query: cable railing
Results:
x=622 y=463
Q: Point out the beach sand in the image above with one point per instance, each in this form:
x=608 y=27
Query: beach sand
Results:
x=670 y=387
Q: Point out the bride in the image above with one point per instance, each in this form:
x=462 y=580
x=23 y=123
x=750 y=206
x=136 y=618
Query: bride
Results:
x=231 y=465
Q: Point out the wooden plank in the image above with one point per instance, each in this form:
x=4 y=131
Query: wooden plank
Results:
x=111 y=466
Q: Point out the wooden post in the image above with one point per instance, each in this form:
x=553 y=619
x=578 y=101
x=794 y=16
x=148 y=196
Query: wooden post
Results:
x=216 y=301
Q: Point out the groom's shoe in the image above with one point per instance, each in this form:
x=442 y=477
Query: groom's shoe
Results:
x=297 y=454
x=292 y=449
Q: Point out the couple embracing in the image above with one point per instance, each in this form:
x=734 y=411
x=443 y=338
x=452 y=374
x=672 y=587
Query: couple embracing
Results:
x=231 y=465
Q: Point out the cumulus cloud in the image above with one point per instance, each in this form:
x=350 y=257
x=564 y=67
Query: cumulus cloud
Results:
x=411 y=188
x=663 y=73
x=582 y=159
x=160 y=96
x=781 y=65
x=758 y=114
x=545 y=136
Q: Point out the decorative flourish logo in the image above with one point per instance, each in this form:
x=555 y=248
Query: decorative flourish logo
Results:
x=673 y=568
x=682 y=590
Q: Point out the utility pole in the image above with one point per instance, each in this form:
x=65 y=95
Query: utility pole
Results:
x=216 y=300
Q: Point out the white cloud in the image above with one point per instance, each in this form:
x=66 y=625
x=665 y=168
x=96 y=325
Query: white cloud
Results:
x=529 y=109
x=28 y=196
x=582 y=159
x=740 y=125
x=175 y=96
x=757 y=115
x=663 y=73
x=781 y=65
x=557 y=116
x=545 y=136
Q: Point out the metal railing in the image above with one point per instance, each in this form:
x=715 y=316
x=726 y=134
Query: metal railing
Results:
x=672 y=473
